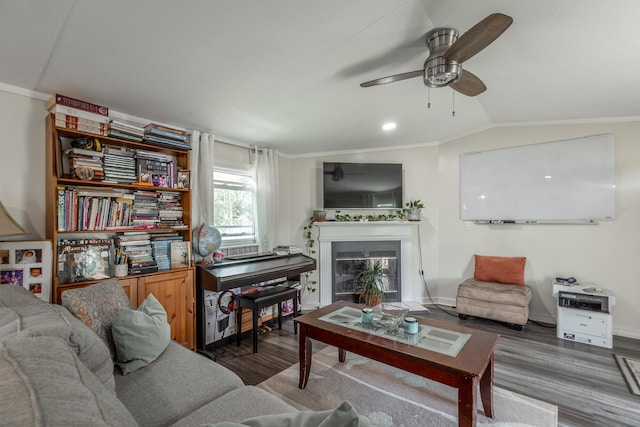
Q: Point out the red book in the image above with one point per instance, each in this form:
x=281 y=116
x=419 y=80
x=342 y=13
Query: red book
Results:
x=76 y=103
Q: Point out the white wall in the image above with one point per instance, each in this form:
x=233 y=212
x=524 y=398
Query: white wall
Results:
x=22 y=162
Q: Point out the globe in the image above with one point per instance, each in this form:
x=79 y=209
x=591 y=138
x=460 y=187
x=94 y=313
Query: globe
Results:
x=205 y=240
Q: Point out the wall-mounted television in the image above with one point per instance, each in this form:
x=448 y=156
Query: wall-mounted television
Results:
x=362 y=185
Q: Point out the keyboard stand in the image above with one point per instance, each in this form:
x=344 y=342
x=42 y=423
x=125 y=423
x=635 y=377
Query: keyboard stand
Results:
x=264 y=298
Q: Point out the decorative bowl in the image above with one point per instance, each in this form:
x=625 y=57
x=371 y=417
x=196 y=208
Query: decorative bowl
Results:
x=388 y=316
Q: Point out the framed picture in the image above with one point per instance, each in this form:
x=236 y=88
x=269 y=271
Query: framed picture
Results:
x=27 y=264
x=180 y=254
x=184 y=179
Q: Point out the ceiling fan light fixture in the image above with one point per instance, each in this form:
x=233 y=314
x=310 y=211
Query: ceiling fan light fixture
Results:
x=441 y=73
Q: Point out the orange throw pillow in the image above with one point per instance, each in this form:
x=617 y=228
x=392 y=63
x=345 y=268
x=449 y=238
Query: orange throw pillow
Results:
x=509 y=270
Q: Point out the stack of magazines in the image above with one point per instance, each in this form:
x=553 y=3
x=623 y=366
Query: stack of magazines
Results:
x=165 y=136
x=119 y=164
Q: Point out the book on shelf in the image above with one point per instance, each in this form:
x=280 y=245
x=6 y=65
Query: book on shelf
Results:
x=166 y=142
x=118 y=151
x=67 y=101
x=116 y=133
x=120 y=162
x=171 y=129
x=61 y=198
x=79 y=118
x=153 y=171
x=79 y=260
x=84 y=152
x=126 y=127
x=180 y=254
x=153 y=155
x=94 y=129
x=152 y=166
x=133 y=270
x=162 y=250
x=166 y=134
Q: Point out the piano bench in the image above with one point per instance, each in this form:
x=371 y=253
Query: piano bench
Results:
x=260 y=299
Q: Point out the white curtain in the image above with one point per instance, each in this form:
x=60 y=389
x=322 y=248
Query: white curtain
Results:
x=264 y=162
x=201 y=178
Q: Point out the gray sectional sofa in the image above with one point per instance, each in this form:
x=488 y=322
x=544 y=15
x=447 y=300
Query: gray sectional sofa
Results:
x=54 y=370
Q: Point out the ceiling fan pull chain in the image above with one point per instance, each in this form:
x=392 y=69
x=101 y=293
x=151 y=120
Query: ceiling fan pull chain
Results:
x=453 y=103
x=428 y=97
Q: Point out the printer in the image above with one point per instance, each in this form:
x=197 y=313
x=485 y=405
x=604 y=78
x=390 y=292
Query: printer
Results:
x=584 y=313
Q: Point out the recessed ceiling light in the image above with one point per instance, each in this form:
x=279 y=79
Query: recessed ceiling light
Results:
x=389 y=126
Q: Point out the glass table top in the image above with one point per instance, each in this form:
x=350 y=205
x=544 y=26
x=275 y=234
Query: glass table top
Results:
x=439 y=340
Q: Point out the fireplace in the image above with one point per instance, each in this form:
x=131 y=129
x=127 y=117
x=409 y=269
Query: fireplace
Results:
x=351 y=258
x=389 y=241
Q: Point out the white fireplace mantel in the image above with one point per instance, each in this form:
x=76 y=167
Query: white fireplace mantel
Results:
x=343 y=231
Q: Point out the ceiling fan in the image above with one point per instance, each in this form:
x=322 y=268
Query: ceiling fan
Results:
x=447 y=52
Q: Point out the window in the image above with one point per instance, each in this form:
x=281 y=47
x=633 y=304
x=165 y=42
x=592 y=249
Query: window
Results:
x=234 y=198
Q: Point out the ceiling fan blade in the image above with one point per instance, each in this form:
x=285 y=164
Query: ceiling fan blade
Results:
x=478 y=37
x=394 y=78
x=469 y=84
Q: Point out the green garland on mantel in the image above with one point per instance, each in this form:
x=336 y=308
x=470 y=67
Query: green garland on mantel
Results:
x=396 y=216
x=310 y=285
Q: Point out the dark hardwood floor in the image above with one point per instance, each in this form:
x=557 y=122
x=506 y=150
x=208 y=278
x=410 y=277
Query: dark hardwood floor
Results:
x=583 y=380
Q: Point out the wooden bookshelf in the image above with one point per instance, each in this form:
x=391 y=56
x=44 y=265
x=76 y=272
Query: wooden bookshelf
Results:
x=175 y=288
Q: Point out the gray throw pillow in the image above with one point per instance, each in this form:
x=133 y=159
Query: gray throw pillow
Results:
x=95 y=305
x=141 y=335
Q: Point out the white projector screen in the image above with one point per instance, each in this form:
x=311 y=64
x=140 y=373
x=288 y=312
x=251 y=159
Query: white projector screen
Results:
x=571 y=180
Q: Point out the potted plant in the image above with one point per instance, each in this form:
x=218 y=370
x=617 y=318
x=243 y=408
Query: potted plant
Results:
x=413 y=210
x=319 y=215
x=369 y=281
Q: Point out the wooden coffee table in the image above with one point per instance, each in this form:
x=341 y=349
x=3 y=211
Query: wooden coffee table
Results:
x=472 y=365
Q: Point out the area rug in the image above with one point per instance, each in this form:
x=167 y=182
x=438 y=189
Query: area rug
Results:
x=390 y=397
x=630 y=369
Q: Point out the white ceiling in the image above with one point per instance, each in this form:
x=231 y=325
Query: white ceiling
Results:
x=286 y=73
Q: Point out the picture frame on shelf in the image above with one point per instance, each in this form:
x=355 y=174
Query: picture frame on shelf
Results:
x=83 y=260
x=180 y=254
x=27 y=264
x=184 y=179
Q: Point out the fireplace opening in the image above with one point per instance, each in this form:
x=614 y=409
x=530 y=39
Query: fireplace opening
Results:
x=350 y=258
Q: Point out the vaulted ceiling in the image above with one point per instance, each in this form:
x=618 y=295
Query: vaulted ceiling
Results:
x=286 y=73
